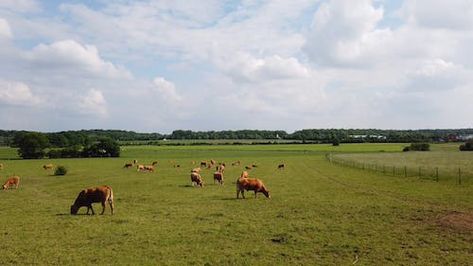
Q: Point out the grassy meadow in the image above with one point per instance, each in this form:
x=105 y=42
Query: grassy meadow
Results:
x=320 y=213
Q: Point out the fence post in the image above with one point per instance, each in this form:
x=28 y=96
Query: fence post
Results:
x=437 y=174
x=405 y=171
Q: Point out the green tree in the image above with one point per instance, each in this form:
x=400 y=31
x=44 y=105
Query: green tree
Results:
x=105 y=147
x=31 y=145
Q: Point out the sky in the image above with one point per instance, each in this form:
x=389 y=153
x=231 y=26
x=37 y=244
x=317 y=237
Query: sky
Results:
x=158 y=66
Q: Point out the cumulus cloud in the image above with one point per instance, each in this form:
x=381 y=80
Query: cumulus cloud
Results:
x=93 y=103
x=452 y=14
x=5 y=31
x=244 y=67
x=71 y=55
x=167 y=90
x=340 y=29
x=17 y=93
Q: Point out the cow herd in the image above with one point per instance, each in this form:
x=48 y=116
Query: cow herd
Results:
x=104 y=194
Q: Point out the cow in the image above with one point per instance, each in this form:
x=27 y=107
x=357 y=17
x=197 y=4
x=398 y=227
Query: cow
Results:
x=128 y=165
x=254 y=184
x=140 y=167
x=248 y=167
x=88 y=196
x=203 y=164
x=196 y=179
x=218 y=176
x=281 y=166
x=48 y=166
x=149 y=168
x=12 y=181
x=213 y=162
x=254 y=165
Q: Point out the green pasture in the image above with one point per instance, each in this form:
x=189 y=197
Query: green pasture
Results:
x=319 y=214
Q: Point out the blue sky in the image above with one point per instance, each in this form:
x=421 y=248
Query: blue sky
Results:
x=156 y=66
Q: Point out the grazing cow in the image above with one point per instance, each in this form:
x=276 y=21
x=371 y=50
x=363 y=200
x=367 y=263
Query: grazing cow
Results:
x=12 y=181
x=154 y=163
x=218 y=176
x=48 y=166
x=254 y=184
x=281 y=166
x=149 y=168
x=140 y=167
x=88 y=196
x=128 y=165
x=203 y=164
x=248 y=167
x=196 y=179
x=236 y=163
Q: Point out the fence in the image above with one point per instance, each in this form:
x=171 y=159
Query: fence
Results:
x=458 y=175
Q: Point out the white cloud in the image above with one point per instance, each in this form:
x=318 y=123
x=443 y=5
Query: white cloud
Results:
x=244 y=67
x=20 y=5
x=17 y=93
x=452 y=14
x=71 y=55
x=5 y=31
x=340 y=30
x=167 y=90
x=93 y=103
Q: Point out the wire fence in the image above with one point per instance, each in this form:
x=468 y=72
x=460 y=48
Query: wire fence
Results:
x=458 y=175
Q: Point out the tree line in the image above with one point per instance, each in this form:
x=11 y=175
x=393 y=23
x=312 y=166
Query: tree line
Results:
x=87 y=137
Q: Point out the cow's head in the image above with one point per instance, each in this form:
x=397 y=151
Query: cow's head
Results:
x=266 y=193
x=74 y=209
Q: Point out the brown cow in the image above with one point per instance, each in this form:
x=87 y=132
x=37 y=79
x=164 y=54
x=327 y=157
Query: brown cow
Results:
x=12 y=181
x=196 y=179
x=220 y=168
x=48 y=166
x=128 y=165
x=254 y=184
x=88 y=196
x=218 y=176
x=203 y=164
x=149 y=168
x=140 y=167
x=281 y=166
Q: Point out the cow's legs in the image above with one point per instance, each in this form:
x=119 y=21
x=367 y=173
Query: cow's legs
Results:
x=92 y=209
x=111 y=205
x=103 y=208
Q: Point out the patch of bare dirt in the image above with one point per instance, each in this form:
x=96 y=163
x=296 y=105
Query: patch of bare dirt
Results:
x=457 y=221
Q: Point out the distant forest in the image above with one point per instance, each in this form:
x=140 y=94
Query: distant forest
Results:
x=85 y=137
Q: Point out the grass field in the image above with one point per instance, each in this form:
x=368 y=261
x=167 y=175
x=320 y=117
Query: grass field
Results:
x=319 y=213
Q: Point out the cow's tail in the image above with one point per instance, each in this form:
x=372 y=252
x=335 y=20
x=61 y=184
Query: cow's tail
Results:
x=111 y=194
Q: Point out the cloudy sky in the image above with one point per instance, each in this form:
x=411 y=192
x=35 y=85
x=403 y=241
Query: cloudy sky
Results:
x=155 y=66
